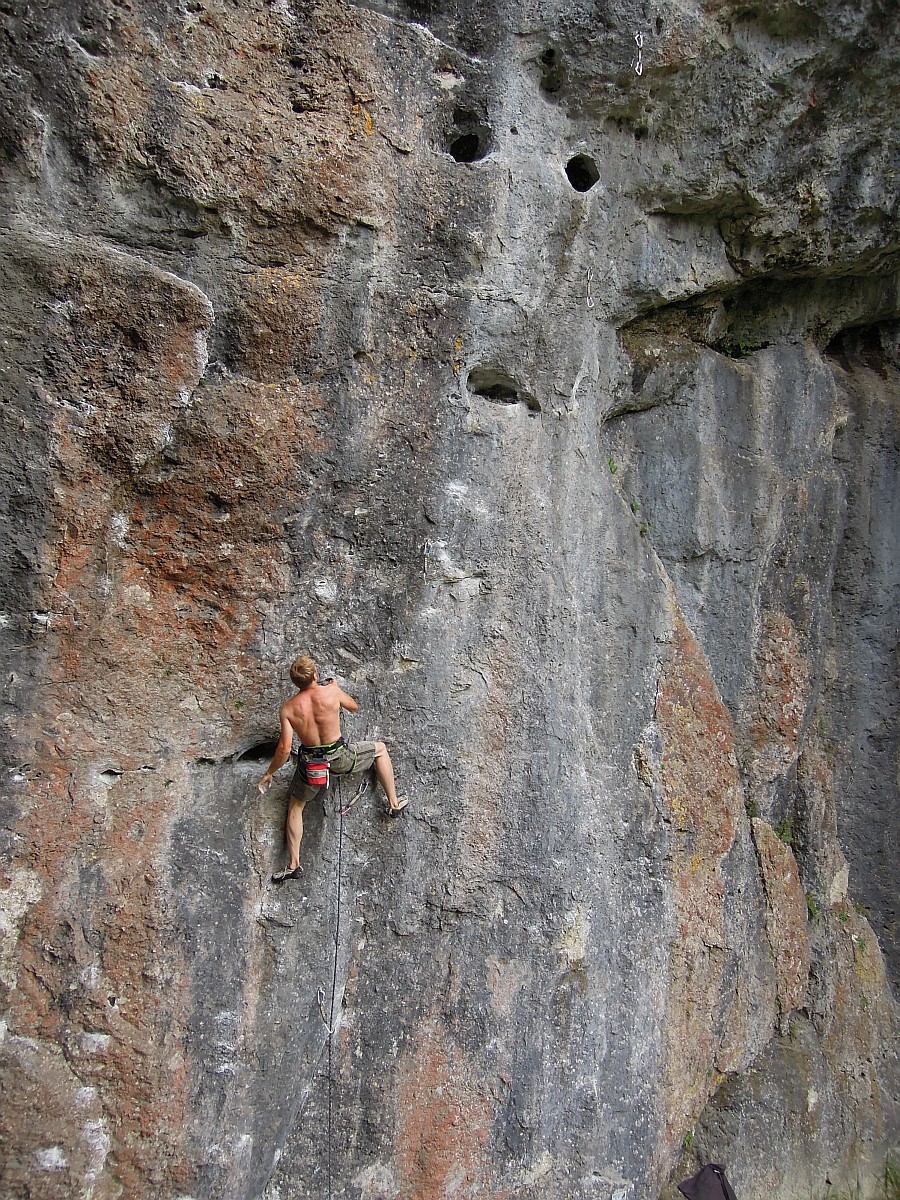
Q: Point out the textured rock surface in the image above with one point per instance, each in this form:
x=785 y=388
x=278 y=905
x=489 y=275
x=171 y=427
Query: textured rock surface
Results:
x=554 y=407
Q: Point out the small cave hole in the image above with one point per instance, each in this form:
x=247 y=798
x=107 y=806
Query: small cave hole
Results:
x=659 y=26
x=582 y=173
x=551 y=70
x=471 y=139
x=466 y=148
x=111 y=774
x=497 y=385
x=262 y=752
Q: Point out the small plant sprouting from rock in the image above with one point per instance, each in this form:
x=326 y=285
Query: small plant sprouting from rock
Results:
x=634 y=506
x=740 y=348
x=811 y=907
x=688 y=1140
x=752 y=809
x=785 y=831
x=891 y=1181
x=612 y=466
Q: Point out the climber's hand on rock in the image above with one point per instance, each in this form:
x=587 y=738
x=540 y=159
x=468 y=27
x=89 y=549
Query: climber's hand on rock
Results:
x=264 y=784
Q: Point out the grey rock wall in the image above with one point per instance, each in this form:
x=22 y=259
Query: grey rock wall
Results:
x=544 y=385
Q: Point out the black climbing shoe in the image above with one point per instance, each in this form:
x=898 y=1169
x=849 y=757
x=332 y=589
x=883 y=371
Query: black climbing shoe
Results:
x=281 y=876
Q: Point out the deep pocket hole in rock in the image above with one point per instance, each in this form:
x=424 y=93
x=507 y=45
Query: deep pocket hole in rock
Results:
x=582 y=173
x=262 y=753
x=471 y=139
x=551 y=70
x=497 y=385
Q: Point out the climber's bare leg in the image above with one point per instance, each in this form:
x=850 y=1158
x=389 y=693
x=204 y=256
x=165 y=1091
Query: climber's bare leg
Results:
x=384 y=770
x=294 y=831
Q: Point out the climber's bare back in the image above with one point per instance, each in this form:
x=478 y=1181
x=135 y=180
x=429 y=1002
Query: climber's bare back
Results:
x=315 y=714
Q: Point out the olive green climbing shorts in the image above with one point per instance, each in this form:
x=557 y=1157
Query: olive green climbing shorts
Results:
x=346 y=760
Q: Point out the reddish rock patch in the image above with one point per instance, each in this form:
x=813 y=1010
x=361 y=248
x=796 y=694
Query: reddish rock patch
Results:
x=786 y=916
x=443 y=1124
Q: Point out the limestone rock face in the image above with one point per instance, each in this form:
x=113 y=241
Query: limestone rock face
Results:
x=534 y=366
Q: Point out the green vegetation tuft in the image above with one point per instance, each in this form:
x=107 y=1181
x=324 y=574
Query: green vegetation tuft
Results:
x=740 y=349
x=785 y=831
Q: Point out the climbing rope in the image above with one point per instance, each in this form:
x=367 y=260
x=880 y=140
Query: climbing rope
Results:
x=330 y=1024
x=330 y=1021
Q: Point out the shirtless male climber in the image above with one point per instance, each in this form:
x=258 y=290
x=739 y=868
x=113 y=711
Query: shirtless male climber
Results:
x=314 y=714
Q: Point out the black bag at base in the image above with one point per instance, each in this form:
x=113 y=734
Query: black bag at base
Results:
x=708 y=1184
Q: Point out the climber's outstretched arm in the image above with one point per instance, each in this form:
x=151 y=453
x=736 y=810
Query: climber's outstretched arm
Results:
x=282 y=753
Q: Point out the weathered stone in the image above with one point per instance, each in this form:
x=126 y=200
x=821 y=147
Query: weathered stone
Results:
x=553 y=405
x=786 y=917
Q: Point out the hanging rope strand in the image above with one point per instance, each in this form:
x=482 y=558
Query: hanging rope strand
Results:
x=331 y=1017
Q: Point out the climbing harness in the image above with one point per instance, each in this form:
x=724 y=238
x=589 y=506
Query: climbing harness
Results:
x=316 y=764
x=638 y=63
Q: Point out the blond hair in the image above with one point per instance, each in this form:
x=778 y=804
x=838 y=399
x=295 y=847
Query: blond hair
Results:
x=303 y=672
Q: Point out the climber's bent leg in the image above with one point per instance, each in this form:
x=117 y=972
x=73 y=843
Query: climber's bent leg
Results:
x=294 y=830
x=384 y=769
x=359 y=756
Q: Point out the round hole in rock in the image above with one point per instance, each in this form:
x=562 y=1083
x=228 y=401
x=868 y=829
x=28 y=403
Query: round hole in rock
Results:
x=582 y=172
x=471 y=139
x=466 y=148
